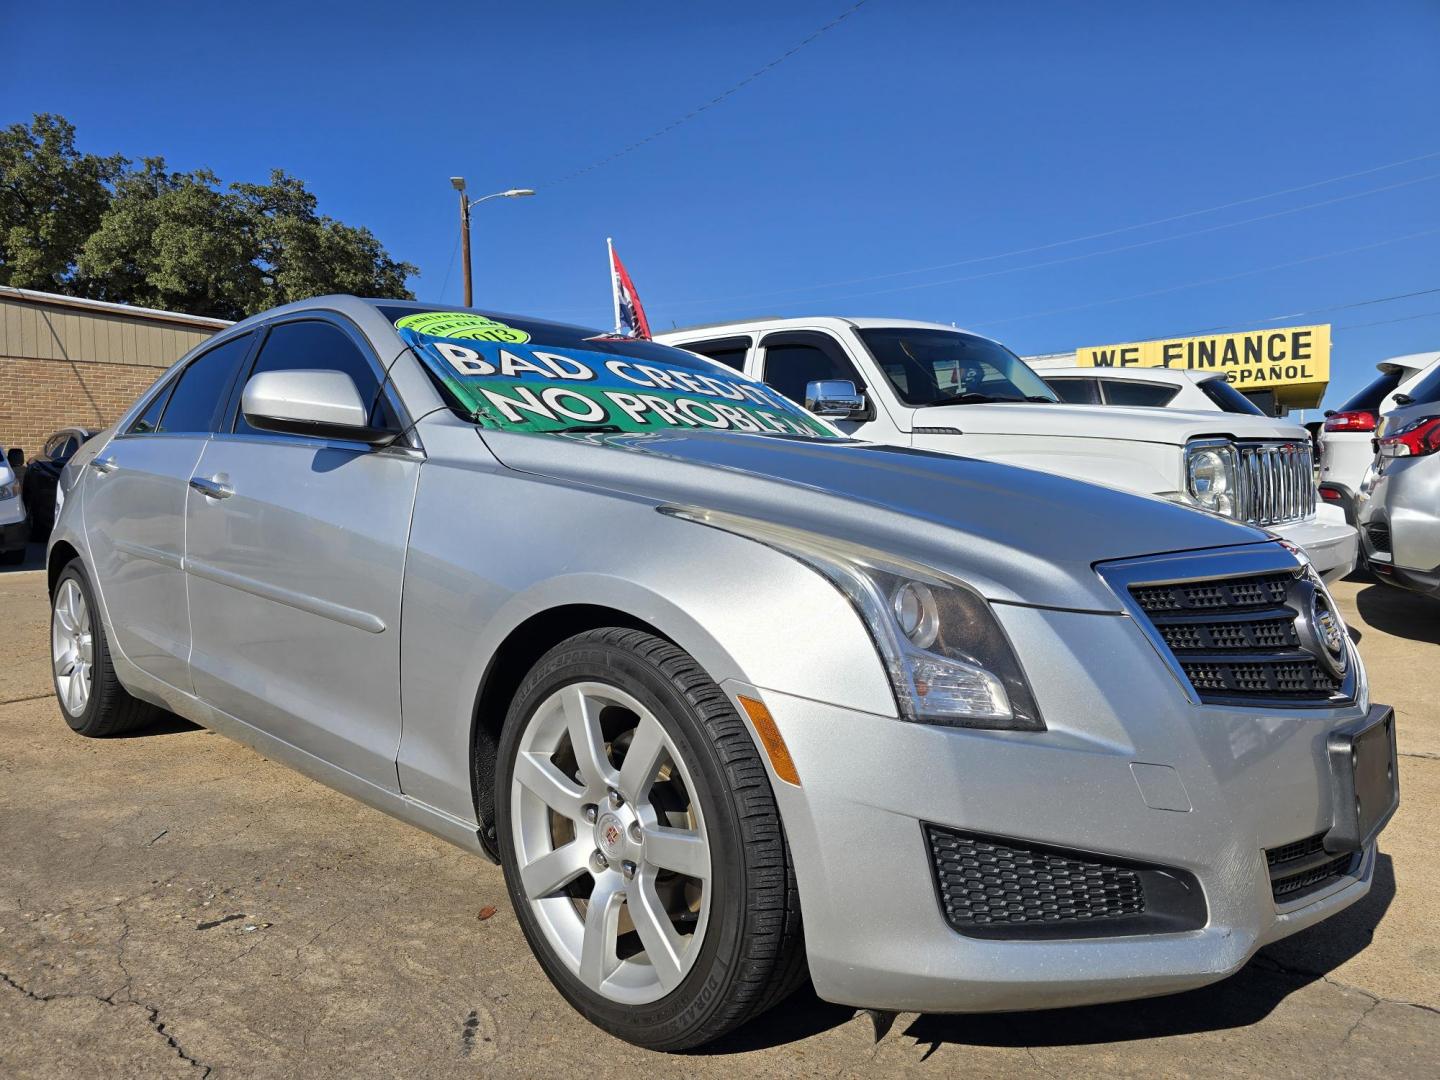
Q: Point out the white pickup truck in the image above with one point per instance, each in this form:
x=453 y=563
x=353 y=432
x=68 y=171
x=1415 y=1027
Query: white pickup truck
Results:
x=934 y=387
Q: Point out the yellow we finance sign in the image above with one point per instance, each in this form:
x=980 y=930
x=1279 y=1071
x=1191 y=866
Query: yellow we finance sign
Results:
x=1292 y=359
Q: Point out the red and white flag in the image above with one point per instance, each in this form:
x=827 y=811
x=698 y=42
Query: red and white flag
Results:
x=630 y=318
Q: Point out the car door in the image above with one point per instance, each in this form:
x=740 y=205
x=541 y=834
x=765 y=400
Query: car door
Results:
x=295 y=552
x=135 y=511
x=792 y=359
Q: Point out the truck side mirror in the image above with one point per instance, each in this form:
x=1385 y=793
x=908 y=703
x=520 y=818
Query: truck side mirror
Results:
x=833 y=397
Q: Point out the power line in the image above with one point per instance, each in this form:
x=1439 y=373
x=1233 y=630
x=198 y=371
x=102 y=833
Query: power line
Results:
x=1384 y=322
x=1210 y=281
x=1095 y=236
x=1311 y=311
x=716 y=100
x=1124 y=247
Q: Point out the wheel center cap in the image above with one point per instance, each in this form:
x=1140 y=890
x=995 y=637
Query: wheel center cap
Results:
x=610 y=835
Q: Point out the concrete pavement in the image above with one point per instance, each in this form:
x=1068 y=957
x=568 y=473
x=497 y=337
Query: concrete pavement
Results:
x=173 y=904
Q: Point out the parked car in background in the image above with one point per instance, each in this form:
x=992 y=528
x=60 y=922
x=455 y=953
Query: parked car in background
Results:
x=689 y=664
x=1346 y=440
x=1399 y=503
x=42 y=474
x=14 y=518
x=933 y=387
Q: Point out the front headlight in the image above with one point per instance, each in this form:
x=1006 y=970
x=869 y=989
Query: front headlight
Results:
x=1210 y=476
x=948 y=659
x=9 y=489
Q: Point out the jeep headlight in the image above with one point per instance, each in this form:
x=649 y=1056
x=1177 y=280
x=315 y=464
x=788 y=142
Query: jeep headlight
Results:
x=1210 y=476
x=9 y=489
x=947 y=656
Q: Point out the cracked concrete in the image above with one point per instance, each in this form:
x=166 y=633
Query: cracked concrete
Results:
x=173 y=905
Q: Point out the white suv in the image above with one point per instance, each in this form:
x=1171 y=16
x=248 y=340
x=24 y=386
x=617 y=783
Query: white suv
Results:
x=1347 y=441
x=933 y=387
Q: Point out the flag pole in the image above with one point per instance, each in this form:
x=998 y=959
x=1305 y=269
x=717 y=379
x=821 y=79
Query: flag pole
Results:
x=614 y=282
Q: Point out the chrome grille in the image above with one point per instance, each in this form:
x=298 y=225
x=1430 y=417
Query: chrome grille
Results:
x=1240 y=637
x=1275 y=482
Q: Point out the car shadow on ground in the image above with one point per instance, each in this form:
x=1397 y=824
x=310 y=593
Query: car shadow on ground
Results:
x=1400 y=613
x=166 y=724
x=1244 y=999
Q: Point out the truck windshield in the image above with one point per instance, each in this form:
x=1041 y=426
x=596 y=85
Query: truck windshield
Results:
x=945 y=367
x=513 y=374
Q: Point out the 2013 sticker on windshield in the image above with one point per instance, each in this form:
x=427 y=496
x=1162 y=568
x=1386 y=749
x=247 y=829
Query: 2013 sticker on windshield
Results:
x=464 y=325
x=528 y=388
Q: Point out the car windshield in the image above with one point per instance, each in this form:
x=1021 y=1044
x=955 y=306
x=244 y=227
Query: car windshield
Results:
x=517 y=374
x=1228 y=398
x=945 y=367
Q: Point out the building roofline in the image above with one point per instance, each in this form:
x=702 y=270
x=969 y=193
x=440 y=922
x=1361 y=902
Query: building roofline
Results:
x=33 y=296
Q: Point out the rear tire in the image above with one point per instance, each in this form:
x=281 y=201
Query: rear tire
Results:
x=91 y=698
x=730 y=944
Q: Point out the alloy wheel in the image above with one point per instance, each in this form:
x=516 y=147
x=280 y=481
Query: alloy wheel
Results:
x=610 y=842
x=72 y=647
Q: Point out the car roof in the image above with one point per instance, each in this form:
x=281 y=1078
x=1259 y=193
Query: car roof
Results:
x=1409 y=362
x=1170 y=376
x=741 y=326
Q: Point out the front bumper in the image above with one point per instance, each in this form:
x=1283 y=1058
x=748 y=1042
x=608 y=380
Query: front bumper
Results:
x=1331 y=545
x=1241 y=783
x=15 y=535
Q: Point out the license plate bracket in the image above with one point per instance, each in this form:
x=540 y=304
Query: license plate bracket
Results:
x=1364 y=780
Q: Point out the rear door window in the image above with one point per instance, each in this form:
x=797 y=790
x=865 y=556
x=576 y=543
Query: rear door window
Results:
x=1138 y=394
x=202 y=388
x=728 y=351
x=1076 y=391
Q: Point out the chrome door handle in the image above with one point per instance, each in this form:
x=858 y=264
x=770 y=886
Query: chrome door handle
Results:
x=211 y=488
x=103 y=465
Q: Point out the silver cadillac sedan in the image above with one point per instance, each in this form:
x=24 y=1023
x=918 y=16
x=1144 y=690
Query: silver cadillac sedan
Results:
x=733 y=700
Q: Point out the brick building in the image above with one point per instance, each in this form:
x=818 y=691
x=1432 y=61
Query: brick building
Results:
x=66 y=361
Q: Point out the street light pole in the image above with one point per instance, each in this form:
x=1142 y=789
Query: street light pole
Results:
x=458 y=183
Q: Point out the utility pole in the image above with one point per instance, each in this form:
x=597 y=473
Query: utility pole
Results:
x=458 y=183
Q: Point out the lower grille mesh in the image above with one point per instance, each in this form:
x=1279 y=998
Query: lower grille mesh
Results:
x=985 y=882
x=1304 y=866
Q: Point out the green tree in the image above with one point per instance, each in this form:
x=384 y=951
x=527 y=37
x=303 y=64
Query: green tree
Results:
x=106 y=228
x=302 y=253
x=175 y=241
x=51 y=199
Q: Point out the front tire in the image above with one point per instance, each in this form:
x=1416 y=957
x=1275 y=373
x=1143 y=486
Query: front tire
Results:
x=91 y=698
x=642 y=845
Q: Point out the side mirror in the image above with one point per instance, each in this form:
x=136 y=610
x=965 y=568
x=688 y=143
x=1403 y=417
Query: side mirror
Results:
x=15 y=458
x=320 y=404
x=833 y=397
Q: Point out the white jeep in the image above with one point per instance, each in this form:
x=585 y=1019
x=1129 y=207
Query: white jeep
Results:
x=933 y=387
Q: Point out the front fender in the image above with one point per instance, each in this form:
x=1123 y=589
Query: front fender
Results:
x=490 y=549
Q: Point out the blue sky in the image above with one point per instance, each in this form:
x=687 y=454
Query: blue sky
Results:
x=914 y=134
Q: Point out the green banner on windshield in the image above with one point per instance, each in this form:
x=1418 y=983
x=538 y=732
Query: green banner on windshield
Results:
x=524 y=387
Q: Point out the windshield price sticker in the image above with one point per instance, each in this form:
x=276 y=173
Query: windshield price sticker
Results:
x=533 y=388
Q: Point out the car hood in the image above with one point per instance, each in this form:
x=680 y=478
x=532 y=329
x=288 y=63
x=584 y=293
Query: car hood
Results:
x=1015 y=534
x=1173 y=426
